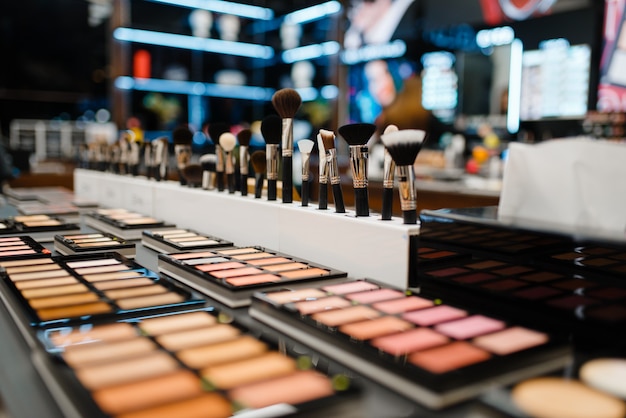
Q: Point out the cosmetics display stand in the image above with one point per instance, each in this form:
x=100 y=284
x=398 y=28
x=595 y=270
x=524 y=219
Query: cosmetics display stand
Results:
x=341 y=240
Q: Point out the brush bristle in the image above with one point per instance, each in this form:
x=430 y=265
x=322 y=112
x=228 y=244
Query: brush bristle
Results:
x=287 y=102
x=228 y=141
x=208 y=162
x=258 y=161
x=193 y=174
x=182 y=135
x=272 y=129
x=244 y=137
x=305 y=146
x=357 y=133
x=404 y=145
x=216 y=129
x=328 y=139
x=390 y=128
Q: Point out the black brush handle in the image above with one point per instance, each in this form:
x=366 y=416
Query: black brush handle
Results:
x=244 y=184
x=409 y=216
x=271 y=189
x=338 y=197
x=387 y=208
x=305 y=192
x=230 y=182
x=258 y=185
x=323 y=199
x=219 y=180
x=361 y=201
x=287 y=179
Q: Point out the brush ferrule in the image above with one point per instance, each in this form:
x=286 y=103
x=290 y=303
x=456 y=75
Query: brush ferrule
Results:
x=406 y=187
x=287 y=137
x=208 y=180
x=389 y=167
x=244 y=159
x=358 y=163
x=323 y=169
x=306 y=163
x=333 y=167
x=271 y=151
x=230 y=167
x=219 y=162
x=183 y=155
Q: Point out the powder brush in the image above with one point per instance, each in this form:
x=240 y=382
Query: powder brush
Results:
x=215 y=130
x=323 y=174
x=228 y=142
x=243 y=137
x=328 y=138
x=389 y=168
x=357 y=135
x=305 y=146
x=404 y=145
x=271 y=129
x=259 y=165
x=287 y=102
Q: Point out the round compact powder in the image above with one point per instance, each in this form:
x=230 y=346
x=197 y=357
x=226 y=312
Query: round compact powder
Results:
x=606 y=374
x=552 y=397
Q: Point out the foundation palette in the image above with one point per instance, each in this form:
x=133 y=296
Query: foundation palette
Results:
x=18 y=247
x=90 y=243
x=75 y=288
x=193 y=364
x=232 y=275
x=180 y=240
x=124 y=223
x=432 y=352
x=40 y=227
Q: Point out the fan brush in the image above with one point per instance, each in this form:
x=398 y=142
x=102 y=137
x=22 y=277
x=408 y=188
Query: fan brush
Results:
x=271 y=130
x=287 y=102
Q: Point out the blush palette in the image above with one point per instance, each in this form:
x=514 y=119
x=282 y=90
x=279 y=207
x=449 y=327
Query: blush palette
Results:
x=430 y=351
x=124 y=223
x=232 y=275
x=90 y=243
x=193 y=364
x=42 y=228
x=179 y=240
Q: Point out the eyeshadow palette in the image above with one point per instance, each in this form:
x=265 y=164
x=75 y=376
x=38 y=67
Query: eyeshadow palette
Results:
x=41 y=228
x=179 y=240
x=69 y=289
x=96 y=242
x=432 y=352
x=62 y=210
x=124 y=223
x=12 y=248
x=194 y=364
x=232 y=275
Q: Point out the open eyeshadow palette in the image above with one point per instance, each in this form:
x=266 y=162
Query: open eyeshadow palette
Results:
x=20 y=247
x=568 y=285
x=430 y=351
x=179 y=240
x=62 y=210
x=232 y=275
x=93 y=243
x=124 y=223
x=193 y=364
x=42 y=228
x=45 y=291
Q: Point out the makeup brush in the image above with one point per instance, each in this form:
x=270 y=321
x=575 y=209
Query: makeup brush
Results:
x=404 y=145
x=193 y=175
x=161 y=157
x=244 y=137
x=183 y=137
x=207 y=161
x=215 y=130
x=271 y=130
x=305 y=146
x=228 y=142
x=389 y=167
x=323 y=174
x=259 y=165
x=328 y=138
x=287 y=102
x=357 y=135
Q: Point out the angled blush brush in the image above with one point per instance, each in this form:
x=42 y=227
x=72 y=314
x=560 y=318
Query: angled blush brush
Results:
x=271 y=128
x=328 y=138
x=323 y=174
x=305 y=146
x=215 y=130
x=228 y=142
x=259 y=165
x=404 y=145
x=243 y=137
x=287 y=102
x=389 y=168
x=357 y=135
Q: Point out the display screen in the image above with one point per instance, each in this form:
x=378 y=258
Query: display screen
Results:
x=612 y=85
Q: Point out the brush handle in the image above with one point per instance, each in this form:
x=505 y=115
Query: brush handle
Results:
x=219 y=180
x=244 y=184
x=361 y=200
x=323 y=199
x=258 y=185
x=287 y=179
x=271 y=189
x=338 y=197
x=409 y=216
x=305 y=192
x=230 y=182
x=387 y=208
